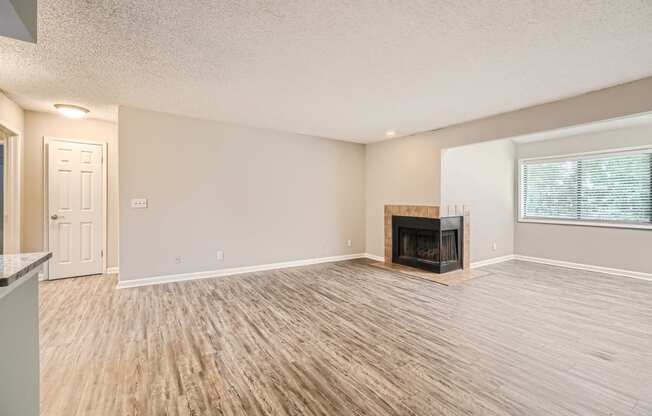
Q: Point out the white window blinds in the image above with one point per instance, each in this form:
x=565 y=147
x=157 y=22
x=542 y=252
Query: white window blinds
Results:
x=612 y=187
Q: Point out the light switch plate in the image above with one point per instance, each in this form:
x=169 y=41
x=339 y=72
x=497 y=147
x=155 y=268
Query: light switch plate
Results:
x=139 y=202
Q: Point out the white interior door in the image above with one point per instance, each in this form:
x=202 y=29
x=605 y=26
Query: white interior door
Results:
x=76 y=208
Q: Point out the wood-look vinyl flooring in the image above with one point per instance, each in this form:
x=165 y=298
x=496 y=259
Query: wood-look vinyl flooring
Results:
x=350 y=339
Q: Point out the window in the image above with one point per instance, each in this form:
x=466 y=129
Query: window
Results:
x=600 y=189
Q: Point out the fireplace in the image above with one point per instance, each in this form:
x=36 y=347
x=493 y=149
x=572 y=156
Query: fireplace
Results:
x=433 y=244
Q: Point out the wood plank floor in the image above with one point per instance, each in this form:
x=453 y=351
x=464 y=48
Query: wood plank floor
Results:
x=350 y=339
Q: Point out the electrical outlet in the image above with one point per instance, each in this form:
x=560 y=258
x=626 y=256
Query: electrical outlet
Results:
x=139 y=202
x=348 y=243
x=220 y=255
x=494 y=246
x=177 y=260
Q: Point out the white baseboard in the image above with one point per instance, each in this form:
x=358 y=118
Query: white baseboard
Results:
x=587 y=267
x=112 y=270
x=494 y=260
x=566 y=264
x=157 y=280
x=374 y=257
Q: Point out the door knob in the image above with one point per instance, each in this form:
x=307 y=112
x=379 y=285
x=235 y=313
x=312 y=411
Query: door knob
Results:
x=54 y=216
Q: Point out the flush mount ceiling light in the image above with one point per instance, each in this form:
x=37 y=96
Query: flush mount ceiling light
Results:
x=390 y=133
x=71 y=111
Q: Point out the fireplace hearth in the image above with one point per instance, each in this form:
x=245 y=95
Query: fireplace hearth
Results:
x=432 y=244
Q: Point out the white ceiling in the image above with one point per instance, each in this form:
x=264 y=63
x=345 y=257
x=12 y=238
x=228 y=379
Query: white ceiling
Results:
x=341 y=69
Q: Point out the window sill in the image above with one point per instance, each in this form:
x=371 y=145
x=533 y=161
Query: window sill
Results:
x=587 y=223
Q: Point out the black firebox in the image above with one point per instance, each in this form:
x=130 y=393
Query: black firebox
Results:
x=433 y=244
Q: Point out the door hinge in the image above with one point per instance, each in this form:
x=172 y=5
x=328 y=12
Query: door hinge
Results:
x=101 y=253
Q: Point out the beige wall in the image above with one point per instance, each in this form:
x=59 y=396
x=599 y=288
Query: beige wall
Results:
x=38 y=125
x=607 y=247
x=261 y=196
x=11 y=115
x=407 y=170
x=481 y=177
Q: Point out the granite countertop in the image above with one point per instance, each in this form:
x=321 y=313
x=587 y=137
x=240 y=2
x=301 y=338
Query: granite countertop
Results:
x=15 y=266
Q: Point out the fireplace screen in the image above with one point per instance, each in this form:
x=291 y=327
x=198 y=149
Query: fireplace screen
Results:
x=433 y=244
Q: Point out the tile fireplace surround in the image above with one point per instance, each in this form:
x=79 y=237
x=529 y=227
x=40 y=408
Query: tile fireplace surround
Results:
x=425 y=211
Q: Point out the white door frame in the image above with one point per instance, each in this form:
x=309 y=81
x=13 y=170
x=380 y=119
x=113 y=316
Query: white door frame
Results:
x=46 y=195
x=6 y=239
x=12 y=190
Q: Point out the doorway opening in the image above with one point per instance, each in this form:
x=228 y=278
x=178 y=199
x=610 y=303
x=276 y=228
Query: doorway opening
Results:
x=2 y=194
x=10 y=185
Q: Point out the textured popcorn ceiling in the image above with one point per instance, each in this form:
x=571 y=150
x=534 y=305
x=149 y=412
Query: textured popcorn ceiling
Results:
x=341 y=69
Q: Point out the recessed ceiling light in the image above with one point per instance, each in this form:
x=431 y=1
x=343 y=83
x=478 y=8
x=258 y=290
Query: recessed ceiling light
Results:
x=390 y=133
x=71 y=111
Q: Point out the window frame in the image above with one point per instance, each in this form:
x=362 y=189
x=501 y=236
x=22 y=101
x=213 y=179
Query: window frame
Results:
x=576 y=156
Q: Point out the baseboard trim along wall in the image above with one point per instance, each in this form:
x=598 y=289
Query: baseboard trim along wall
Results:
x=157 y=280
x=493 y=260
x=373 y=257
x=587 y=267
x=170 y=278
x=566 y=264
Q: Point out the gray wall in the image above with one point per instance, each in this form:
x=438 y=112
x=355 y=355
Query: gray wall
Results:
x=481 y=177
x=261 y=196
x=407 y=170
x=26 y=28
x=627 y=249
